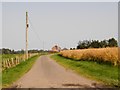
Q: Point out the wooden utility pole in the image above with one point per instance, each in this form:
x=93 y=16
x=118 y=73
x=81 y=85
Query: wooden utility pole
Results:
x=27 y=25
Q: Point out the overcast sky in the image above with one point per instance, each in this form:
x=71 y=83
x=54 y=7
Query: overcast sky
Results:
x=58 y=23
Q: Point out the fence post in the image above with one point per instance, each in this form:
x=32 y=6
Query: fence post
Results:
x=3 y=65
x=9 y=63
x=18 y=60
x=12 y=62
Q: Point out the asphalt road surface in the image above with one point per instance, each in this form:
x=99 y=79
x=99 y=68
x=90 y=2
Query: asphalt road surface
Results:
x=46 y=73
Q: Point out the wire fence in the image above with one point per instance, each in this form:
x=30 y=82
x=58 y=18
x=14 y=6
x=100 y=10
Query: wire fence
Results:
x=12 y=62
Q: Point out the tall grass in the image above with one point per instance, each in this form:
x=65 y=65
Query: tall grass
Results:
x=100 y=55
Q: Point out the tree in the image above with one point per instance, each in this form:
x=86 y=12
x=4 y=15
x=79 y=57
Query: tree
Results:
x=6 y=51
x=95 y=44
x=80 y=45
x=84 y=44
x=70 y=48
x=104 y=43
x=112 y=42
x=12 y=52
x=87 y=44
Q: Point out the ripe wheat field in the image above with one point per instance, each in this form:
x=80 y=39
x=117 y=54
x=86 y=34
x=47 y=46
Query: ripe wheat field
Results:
x=101 y=54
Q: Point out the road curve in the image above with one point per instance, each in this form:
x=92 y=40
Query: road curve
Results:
x=46 y=73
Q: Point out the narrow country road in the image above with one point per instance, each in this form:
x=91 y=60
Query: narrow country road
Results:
x=46 y=73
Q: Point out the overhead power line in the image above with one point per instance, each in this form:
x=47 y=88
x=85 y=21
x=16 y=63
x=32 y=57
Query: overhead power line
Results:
x=35 y=31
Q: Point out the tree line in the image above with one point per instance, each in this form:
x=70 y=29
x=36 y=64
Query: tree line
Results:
x=9 y=51
x=97 y=44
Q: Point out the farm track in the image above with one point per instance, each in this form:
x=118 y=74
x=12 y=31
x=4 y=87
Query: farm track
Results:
x=46 y=73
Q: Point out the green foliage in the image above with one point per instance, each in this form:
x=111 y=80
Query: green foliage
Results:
x=6 y=51
x=72 y=48
x=9 y=51
x=112 y=42
x=97 y=44
x=104 y=43
x=103 y=73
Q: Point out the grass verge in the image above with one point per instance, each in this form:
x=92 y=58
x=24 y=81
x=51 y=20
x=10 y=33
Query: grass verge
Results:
x=103 y=73
x=12 y=74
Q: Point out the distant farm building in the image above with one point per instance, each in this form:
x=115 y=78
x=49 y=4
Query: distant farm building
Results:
x=56 y=48
x=64 y=49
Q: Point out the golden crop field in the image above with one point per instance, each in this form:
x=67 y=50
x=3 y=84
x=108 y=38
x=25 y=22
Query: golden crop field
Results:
x=100 y=54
